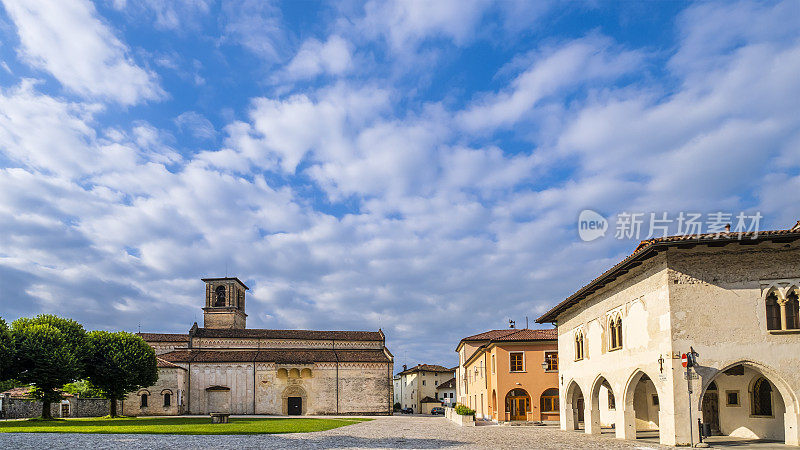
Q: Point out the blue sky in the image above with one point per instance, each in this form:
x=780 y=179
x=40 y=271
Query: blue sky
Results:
x=415 y=166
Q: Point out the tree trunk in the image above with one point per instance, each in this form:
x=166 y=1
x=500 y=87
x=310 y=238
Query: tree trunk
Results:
x=46 y=410
x=113 y=408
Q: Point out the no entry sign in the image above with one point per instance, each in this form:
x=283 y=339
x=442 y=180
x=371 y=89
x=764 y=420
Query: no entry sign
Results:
x=684 y=360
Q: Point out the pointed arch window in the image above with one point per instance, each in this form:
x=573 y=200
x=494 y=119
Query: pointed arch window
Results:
x=792 y=311
x=761 y=398
x=615 y=332
x=773 y=312
x=579 y=345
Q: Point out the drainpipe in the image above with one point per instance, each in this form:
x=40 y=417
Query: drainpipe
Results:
x=333 y=344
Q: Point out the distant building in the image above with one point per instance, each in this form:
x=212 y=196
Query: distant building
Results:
x=732 y=297
x=413 y=385
x=226 y=367
x=501 y=375
x=446 y=392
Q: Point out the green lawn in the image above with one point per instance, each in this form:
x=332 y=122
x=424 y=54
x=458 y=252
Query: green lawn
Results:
x=175 y=425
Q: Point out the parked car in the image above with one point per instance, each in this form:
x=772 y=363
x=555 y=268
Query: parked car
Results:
x=437 y=410
x=407 y=411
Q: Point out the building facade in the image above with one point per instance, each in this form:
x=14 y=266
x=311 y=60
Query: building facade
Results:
x=417 y=386
x=509 y=375
x=446 y=392
x=731 y=297
x=226 y=367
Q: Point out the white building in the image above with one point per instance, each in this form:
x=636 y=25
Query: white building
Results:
x=733 y=298
x=446 y=392
x=417 y=385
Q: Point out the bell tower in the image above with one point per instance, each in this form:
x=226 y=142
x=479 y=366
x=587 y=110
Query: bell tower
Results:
x=224 y=303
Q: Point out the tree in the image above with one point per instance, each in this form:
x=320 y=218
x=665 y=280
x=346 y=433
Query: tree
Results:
x=83 y=388
x=119 y=363
x=48 y=354
x=6 y=352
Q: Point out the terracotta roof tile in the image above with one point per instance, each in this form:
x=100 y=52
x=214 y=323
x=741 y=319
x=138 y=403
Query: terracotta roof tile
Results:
x=449 y=384
x=426 y=368
x=649 y=247
x=281 y=356
x=164 y=337
x=164 y=364
x=514 y=334
x=290 y=334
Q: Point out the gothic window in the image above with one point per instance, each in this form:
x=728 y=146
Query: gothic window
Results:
x=792 y=311
x=578 y=345
x=143 y=401
x=773 y=312
x=219 y=296
x=615 y=332
x=761 y=398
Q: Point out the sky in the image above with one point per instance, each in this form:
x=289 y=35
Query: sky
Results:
x=417 y=167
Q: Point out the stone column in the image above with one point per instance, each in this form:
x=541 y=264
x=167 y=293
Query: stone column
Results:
x=791 y=426
x=591 y=419
x=626 y=421
x=567 y=416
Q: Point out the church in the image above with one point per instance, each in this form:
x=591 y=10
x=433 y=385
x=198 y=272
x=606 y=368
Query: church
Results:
x=226 y=367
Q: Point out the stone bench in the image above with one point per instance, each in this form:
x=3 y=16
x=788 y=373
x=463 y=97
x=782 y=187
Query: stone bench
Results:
x=218 y=417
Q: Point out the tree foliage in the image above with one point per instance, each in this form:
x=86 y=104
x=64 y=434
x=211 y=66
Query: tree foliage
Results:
x=119 y=363
x=83 y=388
x=6 y=352
x=48 y=354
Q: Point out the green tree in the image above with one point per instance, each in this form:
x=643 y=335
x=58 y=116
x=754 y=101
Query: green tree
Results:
x=83 y=388
x=49 y=353
x=119 y=363
x=6 y=352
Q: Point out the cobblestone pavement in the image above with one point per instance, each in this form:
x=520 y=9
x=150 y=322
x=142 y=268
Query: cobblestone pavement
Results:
x=384 y=432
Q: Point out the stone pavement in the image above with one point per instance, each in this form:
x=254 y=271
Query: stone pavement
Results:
x=422 y=432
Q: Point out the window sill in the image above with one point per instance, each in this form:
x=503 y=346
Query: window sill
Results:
x=783 y=332
x=551 y=371
x=579 y=359
x=614 y=349
x=517 y=371
x=753 y=416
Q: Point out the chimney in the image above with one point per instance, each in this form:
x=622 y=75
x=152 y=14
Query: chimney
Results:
x=405 y=367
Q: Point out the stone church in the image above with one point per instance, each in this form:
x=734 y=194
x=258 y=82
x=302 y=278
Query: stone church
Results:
x=226 y=367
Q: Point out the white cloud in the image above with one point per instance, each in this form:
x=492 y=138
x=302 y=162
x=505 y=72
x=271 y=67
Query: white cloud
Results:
x=315 y=58
x=553 y=71
x=69 y=40
x=196 y=124
x=257 y=26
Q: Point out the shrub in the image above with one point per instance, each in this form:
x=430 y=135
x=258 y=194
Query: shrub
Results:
x=464 y=411
x=397 y=406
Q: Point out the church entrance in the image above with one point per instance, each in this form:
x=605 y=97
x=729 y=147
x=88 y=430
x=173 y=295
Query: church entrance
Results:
x=295 y=406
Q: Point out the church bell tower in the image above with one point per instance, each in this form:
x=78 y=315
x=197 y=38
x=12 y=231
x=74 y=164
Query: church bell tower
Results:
x=224 y=303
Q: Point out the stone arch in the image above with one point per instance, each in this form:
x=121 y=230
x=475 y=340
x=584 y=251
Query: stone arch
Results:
x=292 y=392
x=282 y=374
x=294 y=373
x=641 y=407
x=306 y=373
x=786 y=392
x=573 y=406
x=599 y=415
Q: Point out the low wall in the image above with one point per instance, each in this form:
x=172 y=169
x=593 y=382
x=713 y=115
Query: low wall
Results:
x=22 y=408
x=464 y=421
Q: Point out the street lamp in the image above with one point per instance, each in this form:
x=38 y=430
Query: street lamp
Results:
x=545 y=365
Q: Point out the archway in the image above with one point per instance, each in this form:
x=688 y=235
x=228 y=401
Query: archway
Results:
x=641 y=409
x=753 y=403
x=603 y=406
x=518 y=404
x=548 y=404
x=294 y=401
x=573 y=407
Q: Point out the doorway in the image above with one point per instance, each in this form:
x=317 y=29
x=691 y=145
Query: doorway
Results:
x=518 y=404
x=711 y=408
x=295 y=406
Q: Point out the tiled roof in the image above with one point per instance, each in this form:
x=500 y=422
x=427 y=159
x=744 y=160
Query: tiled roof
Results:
x=426 y=368
x=281 y=356
x=164 y=364
x=25 y=391
x=449 y=384
x=514 y=334
x=290 y=334
x=164 y=337
x=651 y=247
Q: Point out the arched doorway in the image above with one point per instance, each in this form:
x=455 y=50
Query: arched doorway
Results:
x=573 y=407
x=518 y=404
x=603 y=408
x=642 y=409
x=295 y=401
x=751 y=403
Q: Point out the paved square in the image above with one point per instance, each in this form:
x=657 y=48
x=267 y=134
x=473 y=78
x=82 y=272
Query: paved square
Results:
x=383 y=432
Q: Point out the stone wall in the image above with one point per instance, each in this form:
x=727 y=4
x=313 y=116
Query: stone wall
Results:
x=20 y=408
x=170 y=381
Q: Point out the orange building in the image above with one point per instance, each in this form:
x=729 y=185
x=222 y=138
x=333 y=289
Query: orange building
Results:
x=509 y=375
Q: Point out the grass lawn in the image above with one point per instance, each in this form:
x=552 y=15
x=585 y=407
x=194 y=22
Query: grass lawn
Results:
x=175 y=425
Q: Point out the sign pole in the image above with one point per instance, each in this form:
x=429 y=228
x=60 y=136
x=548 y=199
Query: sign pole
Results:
x=691 y=424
